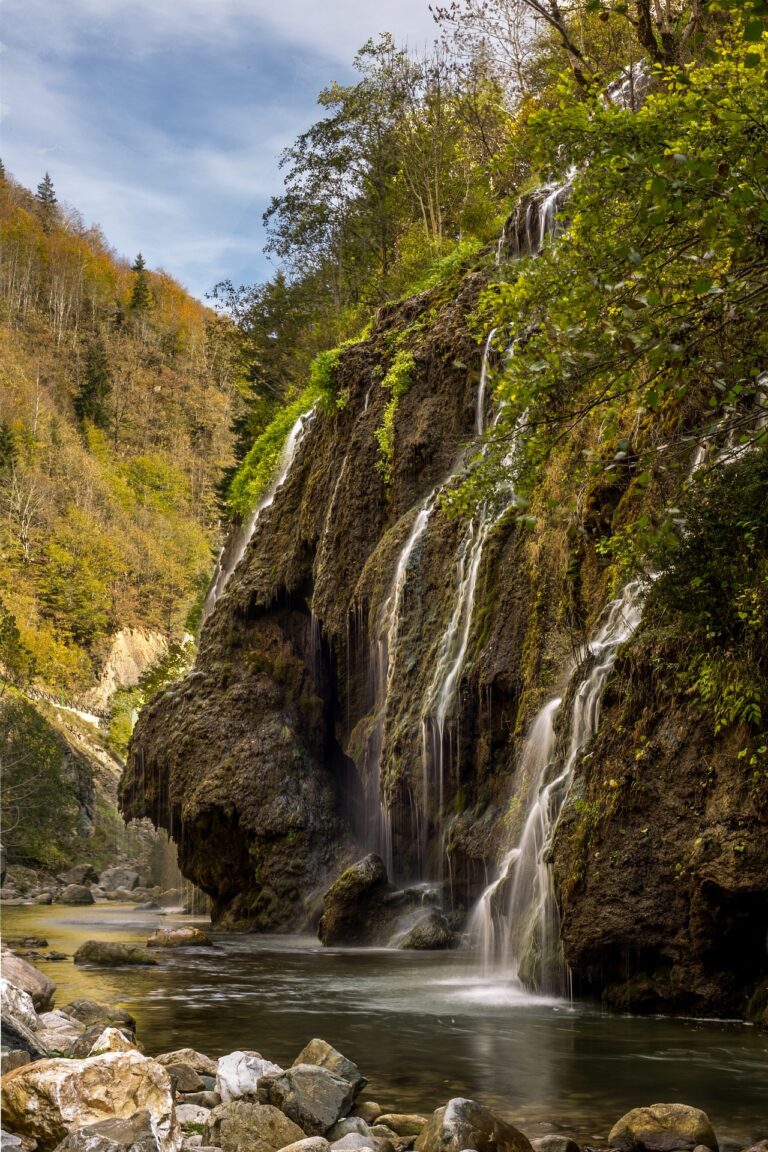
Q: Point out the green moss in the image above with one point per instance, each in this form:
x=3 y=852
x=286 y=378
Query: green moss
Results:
x=397 y=382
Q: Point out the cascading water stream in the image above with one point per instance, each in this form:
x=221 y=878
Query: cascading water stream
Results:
x=517 y=920
x=231 y=555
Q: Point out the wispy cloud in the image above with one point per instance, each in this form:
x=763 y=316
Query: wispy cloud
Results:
x=163 y=120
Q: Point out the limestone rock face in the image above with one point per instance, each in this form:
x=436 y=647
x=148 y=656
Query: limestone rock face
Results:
x=29 y=979
x=50 y=1099
x=321 y=1053
x=132 y=653
x=312 y=1097
x=257 y=1127
x=663 y=1128
x=107 y=954
x=466 y=1124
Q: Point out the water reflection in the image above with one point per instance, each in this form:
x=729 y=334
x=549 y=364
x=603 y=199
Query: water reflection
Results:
x=418 y=1026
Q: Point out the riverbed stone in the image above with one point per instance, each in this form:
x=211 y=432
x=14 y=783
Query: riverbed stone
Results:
x=553 y=1143
x=349 y=1124
x=111 y=1040
x=91 y=1012
x=29 y=979
x=205 y=1099
x=109 y=954
x=369 y=1111
x=17 y=1007
x=58 y=1032
x=76 y=894
x=79 y=874
x=9 y=1142
x=118 y=877
x=309 y=1144
x=178 y=938
x=43 y=898
x=238 y=1074
x=321 y=1053
x=465 y=1124
x=662 y=1128
x=184 y=1078
x=311 y=1096
x=240 y=1124
x=51 y=1099
x=202 y=1064
x=355 y=1142
x=404 y=1123
x=13 y=1058
x=191 y=1114
x=131 y=1134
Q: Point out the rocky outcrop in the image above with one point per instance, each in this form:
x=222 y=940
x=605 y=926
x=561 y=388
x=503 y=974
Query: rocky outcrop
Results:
x=132 y=653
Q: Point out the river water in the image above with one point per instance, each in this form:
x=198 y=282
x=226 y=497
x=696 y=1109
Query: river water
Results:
x=420 y=1026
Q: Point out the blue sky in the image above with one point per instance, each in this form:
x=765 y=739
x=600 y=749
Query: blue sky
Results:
x=163 y=120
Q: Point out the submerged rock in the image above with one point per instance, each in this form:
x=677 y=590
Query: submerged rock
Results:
x=107 y=954
x=178 y=938
x=51 y=1099
x=239 y=1125
x=312 y=1097
x=238 y=1074
x=431 y=932
x=466 y=1124
x=663 y=1128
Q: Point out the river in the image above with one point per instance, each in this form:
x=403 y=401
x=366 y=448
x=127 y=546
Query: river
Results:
x=420 y=1026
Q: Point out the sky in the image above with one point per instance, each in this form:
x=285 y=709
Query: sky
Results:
x=163 y=120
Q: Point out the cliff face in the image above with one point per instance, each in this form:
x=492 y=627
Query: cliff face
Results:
x=366 y=681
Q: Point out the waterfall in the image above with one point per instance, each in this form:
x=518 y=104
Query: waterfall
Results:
x=534 y=220
x=383 y=657
x=483 y=385
x=517 y=920
x=231 y=555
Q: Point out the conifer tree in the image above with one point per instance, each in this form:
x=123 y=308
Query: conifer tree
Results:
x=141 y=297
x=95 y=390
x=46 y=198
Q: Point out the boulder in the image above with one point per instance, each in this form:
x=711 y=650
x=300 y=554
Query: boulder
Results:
x=238 y=1075
x=350 y=1124
x=147 y=906
x=51 y=1099
x=311 y=1096
x=24 y=976
x=184 y=1078
x=79 y=874
x=178 y=938
x=240 y=1125
x=352 y=905
x=9 y=1142
x=662 y=1128
x=205 y=1099
x=43 y=898
x=430 y=933
x=354 y=1142
x=90 y=1012
x=111 y=1040
x=404 y=1123
x=92 y=1035
x=58 y=1032
x=119 y=877
x=76 y=894
x=321 y=1053
x=106 y=954
x=203 y=1065
x=466 y=1124
x=132 y=1134
x=17 y=1007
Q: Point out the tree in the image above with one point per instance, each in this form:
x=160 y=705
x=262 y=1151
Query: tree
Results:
x=91 y=401
x=16 y=661
x=46 y=198
x=141 y=296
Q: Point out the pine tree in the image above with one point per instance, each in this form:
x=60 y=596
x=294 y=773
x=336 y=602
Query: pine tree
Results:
x=141 y=297
x=91 y=401
x=46 y=198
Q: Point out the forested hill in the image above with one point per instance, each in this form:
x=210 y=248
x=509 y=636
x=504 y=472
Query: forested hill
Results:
x=116 y=398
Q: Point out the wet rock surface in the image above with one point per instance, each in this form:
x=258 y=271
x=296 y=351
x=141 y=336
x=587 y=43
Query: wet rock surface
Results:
x=466 y=1124
x=108 y=954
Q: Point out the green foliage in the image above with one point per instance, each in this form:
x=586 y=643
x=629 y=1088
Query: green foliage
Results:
x=141 y=296
x=257 y=471
x=39 y=803
x=397 y=382
x=92 y=399
x=128 y=702
x=16 y=661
